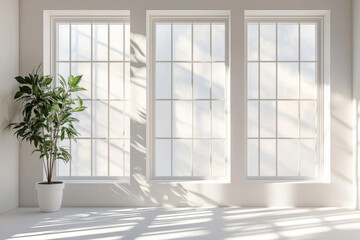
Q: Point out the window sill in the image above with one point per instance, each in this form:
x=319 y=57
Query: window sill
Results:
x=162 y=181
x=97 y=181
x=293 y=181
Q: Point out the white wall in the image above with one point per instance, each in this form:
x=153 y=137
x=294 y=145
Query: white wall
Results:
x=339 y=192
x=9 y=68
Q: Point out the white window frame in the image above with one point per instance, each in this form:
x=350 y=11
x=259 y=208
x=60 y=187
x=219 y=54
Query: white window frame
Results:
x=322 y=18
x=184 y=16
x=50 y=19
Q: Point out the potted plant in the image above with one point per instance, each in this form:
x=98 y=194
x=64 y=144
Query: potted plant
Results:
x=47 y=118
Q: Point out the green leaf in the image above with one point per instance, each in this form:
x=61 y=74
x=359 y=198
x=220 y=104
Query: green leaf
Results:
x=28 y=80
x=62 y=135
x=62 y=81
x=48 y=80
x=20 y=80
x=77 y=80
x=71 y=80
x=80 y=101
x=25 y=89
x=18 y=94
x=77 y=89
x=35 y=89
x=79 y=109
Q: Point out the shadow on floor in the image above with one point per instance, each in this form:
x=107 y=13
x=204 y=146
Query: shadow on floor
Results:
x=181 y=223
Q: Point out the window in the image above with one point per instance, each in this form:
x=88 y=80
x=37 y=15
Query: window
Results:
x=188 y=96
x=285 y=98
x=97 y=47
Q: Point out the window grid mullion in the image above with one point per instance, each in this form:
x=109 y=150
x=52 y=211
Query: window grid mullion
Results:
x=303 y=138
x=276 y=103
x=281 y=61
x=70 y=68
x=259 y=162
x=299 y=103
x=92 y=102
x=192 y=100
x=124 y=112
x=172 y=102
x=280 y=100
x=94 y=61
x=108 y=102
x=211 y=109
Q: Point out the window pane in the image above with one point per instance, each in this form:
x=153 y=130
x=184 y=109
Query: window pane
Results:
x=252 y=41
x=308 y=118
x=63 y=69
x=116 y=81
x=163 y=81
x=201 y=162
x=84 y=124
x=218 y=119
x=218 y=157
x=100 y=119
x=182 y=119
x=267 y=157
x=116 y=42
x=308 y=80
x=288 y=42
x=80 y=42
x=308 y=158
x=267 y=119
x=127 y=42
x=83 y=69
x=100 y=73
x=81 y=157
x=253 y=80
x=218 y=42
x=267 y=80
x=252 y=157
x=182 y=152
x=218 y=80
x=163 y=157
x=63 y=168
x=63 y=42
x=163 y=119
x=288 y=119
x=100 y=42
x=267 y=41
x=308 y=42
x=202 y=80
x=182 y=42
x=100 y=155
x=116 y=151
x=202 y=116
x=182 y=81
x=201 y=42
x=288 y=80
x=163 y=42
x=116 y=119
x=288 y=162
x=252 y=119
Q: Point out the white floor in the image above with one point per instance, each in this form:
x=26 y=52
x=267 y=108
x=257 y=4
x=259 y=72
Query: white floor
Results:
x=181 y=223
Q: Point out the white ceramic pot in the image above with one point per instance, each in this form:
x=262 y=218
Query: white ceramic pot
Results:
x=49 y=196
